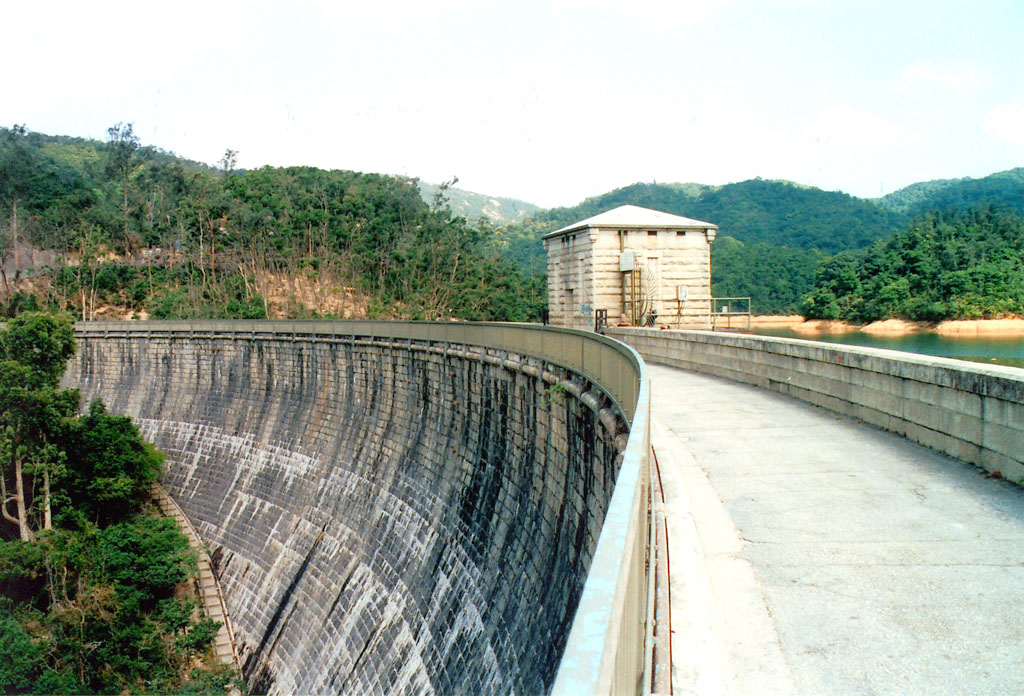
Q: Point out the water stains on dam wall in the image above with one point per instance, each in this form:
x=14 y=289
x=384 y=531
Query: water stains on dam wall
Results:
x=386 y=516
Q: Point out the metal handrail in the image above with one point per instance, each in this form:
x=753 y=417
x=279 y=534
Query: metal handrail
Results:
x=717 y=311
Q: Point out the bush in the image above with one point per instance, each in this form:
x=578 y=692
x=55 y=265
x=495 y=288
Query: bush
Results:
x=114 y=467
x=23 y=657
x=145 y=558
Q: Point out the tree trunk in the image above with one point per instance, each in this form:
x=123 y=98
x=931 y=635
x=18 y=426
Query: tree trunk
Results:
x=19 y=497
x=127 y=240
x=47 y=517
x=14 y=235
x=92 y=293
x=213 y=250
x=5 y=499
x=202 y=268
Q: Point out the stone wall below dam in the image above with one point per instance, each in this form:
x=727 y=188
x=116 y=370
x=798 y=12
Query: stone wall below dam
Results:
x=386 y=515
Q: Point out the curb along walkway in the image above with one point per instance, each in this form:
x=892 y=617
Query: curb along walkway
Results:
x=813 y=554
x=209 y=588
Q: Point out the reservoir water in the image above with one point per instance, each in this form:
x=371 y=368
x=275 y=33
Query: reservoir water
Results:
x=997 y=351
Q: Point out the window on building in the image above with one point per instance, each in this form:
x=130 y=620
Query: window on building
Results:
x=680 y=233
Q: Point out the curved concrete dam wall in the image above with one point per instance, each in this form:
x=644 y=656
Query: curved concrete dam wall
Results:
x=396 y=508
x=973 y=412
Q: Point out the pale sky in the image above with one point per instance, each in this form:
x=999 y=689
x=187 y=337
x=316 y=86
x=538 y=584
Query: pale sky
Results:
x=549 y=102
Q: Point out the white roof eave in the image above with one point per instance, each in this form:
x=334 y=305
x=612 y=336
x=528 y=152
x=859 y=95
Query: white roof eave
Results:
x=634 y=217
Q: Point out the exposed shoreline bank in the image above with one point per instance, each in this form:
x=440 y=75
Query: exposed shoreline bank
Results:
x=963 y=328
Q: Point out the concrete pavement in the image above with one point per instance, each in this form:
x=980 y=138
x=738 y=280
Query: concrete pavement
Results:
x=813 y=554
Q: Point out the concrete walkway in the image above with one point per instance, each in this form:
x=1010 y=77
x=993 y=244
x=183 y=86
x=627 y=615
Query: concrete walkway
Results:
x=813 y=554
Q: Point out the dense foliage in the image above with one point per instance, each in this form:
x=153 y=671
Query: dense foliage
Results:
x=776 y=278
x=140 y=230
x=1005 y=189
x=952 y=265
x=802 y=217
x=87 y=577
x=132 y=226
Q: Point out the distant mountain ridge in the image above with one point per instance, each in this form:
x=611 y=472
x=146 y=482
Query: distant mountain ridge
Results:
x=779 y=212
x=758 y=210
x=1004 y=189
x=473 y=206
x=773 y=212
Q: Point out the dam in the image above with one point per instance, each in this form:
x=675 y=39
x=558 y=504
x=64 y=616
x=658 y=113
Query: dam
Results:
x=458 y=508
x=401 y=508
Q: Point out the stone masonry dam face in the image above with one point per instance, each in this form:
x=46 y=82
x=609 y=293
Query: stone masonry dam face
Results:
x=386 y=516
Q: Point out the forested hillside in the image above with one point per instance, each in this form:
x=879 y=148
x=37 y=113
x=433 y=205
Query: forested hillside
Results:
x=960 y=264
x=132 y=230
x=802 y=217
x=1005 y=189
x=136 y=229
x=776 y=278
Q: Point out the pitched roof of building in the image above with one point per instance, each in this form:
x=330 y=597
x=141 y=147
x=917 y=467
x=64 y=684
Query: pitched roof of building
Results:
x=633 y=216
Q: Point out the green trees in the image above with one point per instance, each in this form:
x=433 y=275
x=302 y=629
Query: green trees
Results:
x=16 y=180
x=136 y=229
x=776 y=278
x=964 y=264
x=33 y=350
x=114 y=468
x=802 y=217
x=194 y=242
x=125 y=156
x=87 y=577
x=1001 y=188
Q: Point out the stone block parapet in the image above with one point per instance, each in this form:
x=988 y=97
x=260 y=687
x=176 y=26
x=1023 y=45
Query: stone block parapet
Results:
x=972 y=412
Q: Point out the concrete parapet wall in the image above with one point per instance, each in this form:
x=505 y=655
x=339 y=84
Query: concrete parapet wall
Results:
x=974 y=413
x=392 y=511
